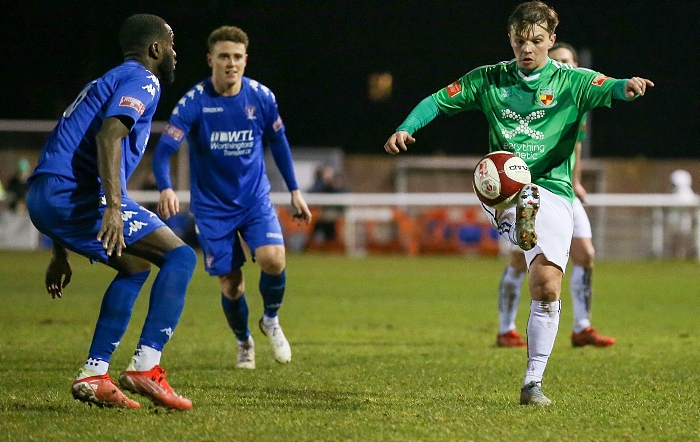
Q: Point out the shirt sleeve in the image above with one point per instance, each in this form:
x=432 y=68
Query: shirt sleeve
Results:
x=175 y=132
x=420 y=116
x=597 y=90
x=277 y=140
x=461 y=95
x=133 y=96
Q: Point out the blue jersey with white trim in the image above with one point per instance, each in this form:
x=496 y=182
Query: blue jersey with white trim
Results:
x=226 y=137
x=71 y=150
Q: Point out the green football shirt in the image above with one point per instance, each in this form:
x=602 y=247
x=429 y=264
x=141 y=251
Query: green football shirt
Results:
x=536 y=116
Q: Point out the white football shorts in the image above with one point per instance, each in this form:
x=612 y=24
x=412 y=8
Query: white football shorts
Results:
x=582 y=225
x=554 y=226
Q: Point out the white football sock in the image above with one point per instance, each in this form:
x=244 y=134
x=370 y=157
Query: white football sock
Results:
x=508 y=298
x=95 y=367
x=270 y=321
x=145 y=358
x=581 y=295
x=506 y=225
x=541 y=332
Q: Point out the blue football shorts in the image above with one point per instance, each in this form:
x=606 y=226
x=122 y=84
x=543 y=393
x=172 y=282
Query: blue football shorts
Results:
x=220 y=242
x=73 y=218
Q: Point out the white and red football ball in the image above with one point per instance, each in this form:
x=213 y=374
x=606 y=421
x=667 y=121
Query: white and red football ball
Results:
x=498 y=177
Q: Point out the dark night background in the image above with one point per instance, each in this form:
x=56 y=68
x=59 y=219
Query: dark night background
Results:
x=316 y=56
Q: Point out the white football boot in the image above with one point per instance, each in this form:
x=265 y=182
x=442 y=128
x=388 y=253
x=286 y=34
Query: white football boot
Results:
x=279 y=343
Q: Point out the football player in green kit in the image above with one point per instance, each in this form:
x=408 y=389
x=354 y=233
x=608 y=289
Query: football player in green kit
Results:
x=534 y=107
x=582 y=254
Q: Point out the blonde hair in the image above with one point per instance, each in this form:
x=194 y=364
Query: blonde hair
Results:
x=530 y=14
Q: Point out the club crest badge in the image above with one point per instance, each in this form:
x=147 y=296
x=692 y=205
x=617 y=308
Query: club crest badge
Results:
x=545 y=98
x=250 y=111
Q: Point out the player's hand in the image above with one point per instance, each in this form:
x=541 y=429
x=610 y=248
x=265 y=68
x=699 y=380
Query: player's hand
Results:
x=637 y=86
x=302 y=212
x=112 y=231
x=168 y=204
x=397 y=142
x=580 y=192
x=58 y=274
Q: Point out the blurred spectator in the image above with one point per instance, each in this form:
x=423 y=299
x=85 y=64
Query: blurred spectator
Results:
x=17 y=187
x=680 y=219
x=327 y=180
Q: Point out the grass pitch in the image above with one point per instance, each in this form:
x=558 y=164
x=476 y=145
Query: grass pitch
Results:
x=385 y=348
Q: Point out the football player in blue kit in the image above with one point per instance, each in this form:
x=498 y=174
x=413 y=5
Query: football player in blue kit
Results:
x=78 y=198
x=227 y=119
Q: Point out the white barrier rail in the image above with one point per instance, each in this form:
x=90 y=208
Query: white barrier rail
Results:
x=364 y=206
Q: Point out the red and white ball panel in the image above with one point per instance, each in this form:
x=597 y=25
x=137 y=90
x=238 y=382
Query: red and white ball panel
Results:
x=498 y=178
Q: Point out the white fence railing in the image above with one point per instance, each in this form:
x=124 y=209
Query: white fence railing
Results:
x=367 y=206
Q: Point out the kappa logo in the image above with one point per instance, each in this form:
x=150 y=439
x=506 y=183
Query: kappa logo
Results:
x=128 y=214
x=454 y=89
x=151 y=89
x=599 y=80
x=168 y=331
x=133 y=103
x=135 y=226
x=523 y=124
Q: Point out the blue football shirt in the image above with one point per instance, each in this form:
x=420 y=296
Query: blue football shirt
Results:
x=71 y=150
x=226 y=137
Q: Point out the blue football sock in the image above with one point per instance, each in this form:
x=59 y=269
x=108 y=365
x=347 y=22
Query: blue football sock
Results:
x=272 y=291
x=236 y=312
x=117 y=306
x=168 y=297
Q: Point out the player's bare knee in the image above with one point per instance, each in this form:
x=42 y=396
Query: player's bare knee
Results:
x=271 y=259
x=232 y=285
x=582 y=252
x=547 y=291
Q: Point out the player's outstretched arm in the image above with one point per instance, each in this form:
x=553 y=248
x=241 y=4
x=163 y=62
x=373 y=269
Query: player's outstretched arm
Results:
x=637 y=86
x=58 y=272
x=398 y=142
x=421 y=115
x=302 y=212
x=109 y=162
x=168 y=204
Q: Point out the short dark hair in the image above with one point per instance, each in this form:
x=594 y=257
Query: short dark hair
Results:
x=140 y=30
x=530 y=14
x=562 y=45
x=227 y=33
